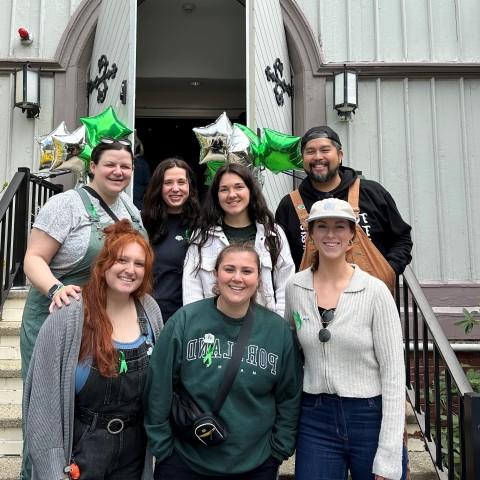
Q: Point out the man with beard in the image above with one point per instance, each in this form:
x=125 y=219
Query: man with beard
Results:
x=327 y=177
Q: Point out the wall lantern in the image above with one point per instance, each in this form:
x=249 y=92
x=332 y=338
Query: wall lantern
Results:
x=27 y=90
x=345 y=93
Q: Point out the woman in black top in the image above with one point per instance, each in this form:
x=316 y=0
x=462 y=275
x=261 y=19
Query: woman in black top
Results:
x=168 y=214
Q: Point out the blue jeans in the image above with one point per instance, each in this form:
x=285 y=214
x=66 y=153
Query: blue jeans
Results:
x=337 y=435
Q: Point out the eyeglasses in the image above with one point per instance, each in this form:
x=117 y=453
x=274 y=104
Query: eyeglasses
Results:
x=324 y=334
x=121 y=141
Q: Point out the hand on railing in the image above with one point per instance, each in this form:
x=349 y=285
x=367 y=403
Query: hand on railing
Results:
x=62 y=297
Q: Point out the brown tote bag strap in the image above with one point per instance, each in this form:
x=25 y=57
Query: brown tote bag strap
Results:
x=363 y=252
x=302 y=213
x=354 y=195
x=299 y=207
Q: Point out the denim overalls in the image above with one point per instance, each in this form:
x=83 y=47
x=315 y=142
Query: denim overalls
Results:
x=109 y=440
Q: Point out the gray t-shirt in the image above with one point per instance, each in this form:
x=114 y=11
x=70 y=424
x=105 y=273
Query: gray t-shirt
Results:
x=65 y=219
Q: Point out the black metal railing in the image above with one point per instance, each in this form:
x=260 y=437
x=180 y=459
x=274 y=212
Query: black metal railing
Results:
x=20 y=202
x=445 y=405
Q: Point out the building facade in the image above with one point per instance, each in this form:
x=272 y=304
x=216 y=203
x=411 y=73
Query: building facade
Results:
x=415 y=130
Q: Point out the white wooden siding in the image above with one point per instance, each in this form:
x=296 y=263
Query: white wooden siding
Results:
x=115 y=37
x=18 y=147
x=419 y=138
x=396 y=30
x=268 y=44
x=45 y=19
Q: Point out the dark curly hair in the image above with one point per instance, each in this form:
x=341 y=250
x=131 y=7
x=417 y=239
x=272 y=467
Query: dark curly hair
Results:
x=258 y=211
x=154 y=211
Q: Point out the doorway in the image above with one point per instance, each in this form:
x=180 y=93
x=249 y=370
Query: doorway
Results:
x=191 y=61
x=167 y=137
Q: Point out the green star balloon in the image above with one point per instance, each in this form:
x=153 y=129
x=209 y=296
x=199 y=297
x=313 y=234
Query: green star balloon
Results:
x=105 y=124
x=86 y=153
x=211 y=170
x=280 y=152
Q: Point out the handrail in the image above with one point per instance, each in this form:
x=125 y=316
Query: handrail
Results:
x=438 y=388
x=10 y=192
x=19 y=205
x=437 y=332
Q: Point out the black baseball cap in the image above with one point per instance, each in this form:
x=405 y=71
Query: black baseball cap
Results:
x=319 y=132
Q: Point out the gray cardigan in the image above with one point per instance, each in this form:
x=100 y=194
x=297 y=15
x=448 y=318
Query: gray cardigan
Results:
x=49 y=391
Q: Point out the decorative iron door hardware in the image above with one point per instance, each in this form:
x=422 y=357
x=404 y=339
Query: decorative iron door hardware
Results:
x=281 y=86
x=100 y=82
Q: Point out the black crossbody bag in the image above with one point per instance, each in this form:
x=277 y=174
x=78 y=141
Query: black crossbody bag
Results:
x=206 y=428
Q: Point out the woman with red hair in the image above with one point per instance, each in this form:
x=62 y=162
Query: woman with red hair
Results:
x=83 y=393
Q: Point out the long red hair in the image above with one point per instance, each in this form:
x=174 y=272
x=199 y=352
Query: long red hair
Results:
x=97 y=329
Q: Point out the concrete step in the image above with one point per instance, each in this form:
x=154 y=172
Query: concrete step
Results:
x=11 y=390
x=10 y=408
x=10 y=467
x=10 y=429
x=9 y=328
x=10 y=368
x=9 y=340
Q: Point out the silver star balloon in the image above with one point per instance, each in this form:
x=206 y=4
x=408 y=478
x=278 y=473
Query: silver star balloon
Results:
x=46 y=144
x=239 y=148
x=214 y=139
x=68 y=145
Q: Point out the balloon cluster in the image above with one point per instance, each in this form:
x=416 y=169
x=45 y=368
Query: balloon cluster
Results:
x=221 y=142
x=60 y=144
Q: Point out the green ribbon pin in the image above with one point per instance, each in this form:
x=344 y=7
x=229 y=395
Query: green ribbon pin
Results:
x=298 y=320
x=186 y=234
x=123 y=363
x=207 y=358
x=93 y=211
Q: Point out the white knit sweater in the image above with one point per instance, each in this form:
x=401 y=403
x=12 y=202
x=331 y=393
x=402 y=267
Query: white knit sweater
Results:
x=362 y=359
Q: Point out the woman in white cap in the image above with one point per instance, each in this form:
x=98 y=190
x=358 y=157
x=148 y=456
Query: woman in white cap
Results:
x=346 y=321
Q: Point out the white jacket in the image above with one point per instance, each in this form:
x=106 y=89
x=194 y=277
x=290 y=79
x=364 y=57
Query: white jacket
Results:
x=198 y=285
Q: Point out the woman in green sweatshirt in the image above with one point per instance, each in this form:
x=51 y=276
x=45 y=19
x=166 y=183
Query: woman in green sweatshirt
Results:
x=261 y=409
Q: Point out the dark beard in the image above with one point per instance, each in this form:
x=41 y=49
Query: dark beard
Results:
x=314 y=177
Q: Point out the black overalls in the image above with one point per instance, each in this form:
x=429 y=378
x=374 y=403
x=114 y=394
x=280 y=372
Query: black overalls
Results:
x=109 y=440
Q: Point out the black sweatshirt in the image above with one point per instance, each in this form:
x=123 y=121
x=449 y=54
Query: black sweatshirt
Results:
x=168 y=267
x=379 y=218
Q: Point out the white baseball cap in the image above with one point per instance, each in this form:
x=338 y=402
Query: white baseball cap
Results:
x=332 y=208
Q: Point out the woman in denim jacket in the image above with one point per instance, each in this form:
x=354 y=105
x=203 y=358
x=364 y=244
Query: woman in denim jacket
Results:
x=236 y=211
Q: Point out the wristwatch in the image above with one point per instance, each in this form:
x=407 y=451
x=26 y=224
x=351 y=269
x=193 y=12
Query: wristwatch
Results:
x=54 y=289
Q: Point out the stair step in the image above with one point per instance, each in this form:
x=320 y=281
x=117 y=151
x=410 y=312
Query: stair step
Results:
x=421 y=466
x=10 y=369
x=18 y=292
x=13 y=306
x=9 y=352
x=12 y=314
x=10 y=429
x=11 y=390
x=10 y=467
x=9 y=328
x=10 y=416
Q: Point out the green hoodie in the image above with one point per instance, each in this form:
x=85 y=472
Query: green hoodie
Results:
x=262 y=407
